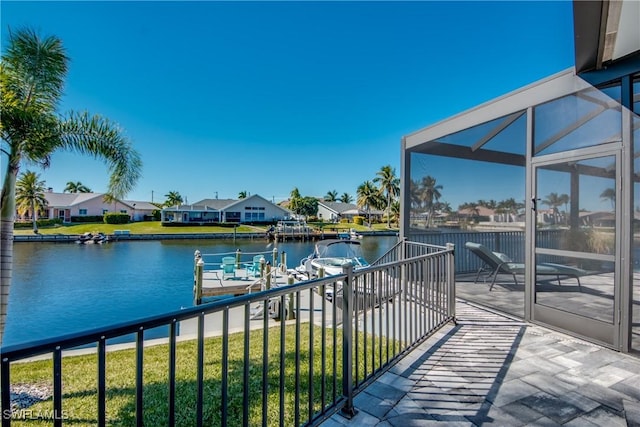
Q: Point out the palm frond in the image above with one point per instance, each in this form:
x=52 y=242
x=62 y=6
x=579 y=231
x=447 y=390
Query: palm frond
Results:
x=100 y=138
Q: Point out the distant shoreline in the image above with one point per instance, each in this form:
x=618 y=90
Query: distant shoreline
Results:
x=71 y=238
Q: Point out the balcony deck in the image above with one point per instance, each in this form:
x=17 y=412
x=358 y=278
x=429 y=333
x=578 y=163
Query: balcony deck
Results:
x=491 y=369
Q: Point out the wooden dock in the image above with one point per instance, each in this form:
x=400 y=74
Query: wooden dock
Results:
x=214 y=284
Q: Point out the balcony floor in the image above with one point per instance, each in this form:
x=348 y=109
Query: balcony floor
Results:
x=490 y=369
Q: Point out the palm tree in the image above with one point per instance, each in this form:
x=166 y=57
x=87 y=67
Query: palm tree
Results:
x=553 y=200
x=609 y=194
x=346 y=198
x=30 y=196
x=294 y=199
x=395 y=211
x=331 y=196
x=242 y=195
x=389 y=186
x=173 y=199
x=564 y=198
x=76 y=187
x=430 y=193
x=368 y=197
x=32 y=77
x=415 y=196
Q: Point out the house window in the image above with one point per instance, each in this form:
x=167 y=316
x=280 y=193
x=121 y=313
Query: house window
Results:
x=104 y=211
x=82 y=212
x=124 y=211
x=253 y=216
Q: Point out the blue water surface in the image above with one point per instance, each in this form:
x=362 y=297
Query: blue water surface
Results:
x=61 y=288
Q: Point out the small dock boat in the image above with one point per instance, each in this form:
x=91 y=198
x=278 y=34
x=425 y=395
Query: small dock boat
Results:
x=90 y=238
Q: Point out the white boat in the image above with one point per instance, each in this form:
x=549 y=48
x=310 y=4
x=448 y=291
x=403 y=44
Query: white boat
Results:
x=332 y=255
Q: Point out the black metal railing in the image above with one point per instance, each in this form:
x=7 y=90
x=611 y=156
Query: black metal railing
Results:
x=291 y=355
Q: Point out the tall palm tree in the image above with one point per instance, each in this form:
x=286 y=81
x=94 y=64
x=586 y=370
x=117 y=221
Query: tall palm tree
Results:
x=32 y=75
x=331 y=196
x=76 y=187
x=242 y=195
x=430 y=193
x=368 y=197
x=389 y=186
x=30 y=196
x=173 y=199
x=346 y=198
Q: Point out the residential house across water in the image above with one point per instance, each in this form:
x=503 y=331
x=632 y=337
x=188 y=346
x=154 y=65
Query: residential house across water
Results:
x=252 y=209
x=71 y=207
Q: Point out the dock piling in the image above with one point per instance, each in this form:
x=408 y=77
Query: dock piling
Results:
x=198 y=273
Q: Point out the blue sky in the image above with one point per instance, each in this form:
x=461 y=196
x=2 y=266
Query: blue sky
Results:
x=262 y=97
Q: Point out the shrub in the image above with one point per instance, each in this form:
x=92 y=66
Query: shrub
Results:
x=344 y=220
x=116 y=218
x=40 y=222
x=87 y=218
x=358 y=220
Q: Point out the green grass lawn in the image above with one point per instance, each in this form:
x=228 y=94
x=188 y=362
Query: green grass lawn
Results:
x=155 y=227
x=79 y=378
x=144 y=227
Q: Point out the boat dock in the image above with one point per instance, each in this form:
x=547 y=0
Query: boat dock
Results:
x=238 y=273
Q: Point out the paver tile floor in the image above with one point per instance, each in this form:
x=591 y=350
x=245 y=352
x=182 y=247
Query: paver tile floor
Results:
x=493 y=370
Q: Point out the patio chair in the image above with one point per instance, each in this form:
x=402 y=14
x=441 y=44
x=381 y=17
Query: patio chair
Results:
x=228 y=267
x=253 y=269
x=496 y=263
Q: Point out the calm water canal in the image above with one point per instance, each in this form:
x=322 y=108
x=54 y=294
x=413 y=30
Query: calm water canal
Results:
x=62 y=288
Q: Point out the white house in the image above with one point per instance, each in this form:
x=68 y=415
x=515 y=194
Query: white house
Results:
x=335 y=211
x=254 y=208
x=66 y=206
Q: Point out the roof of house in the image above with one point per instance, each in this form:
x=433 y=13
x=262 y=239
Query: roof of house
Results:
x=340 y=208
x=217 y=204
x=73 y=199
x=69 y=199
x=481 y=211
x=223 y=204
x=140 y=205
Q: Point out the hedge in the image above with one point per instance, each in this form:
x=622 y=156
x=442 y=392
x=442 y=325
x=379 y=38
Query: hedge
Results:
x=87 y=218
x=116 y=218
x=41 y=223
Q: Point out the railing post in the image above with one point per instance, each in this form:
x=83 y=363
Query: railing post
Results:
x=238 y=256
x=5 y=391
x=197 y=277
x=348 y=410
x=451 y=280
x=274 y=257
x=290 y=313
